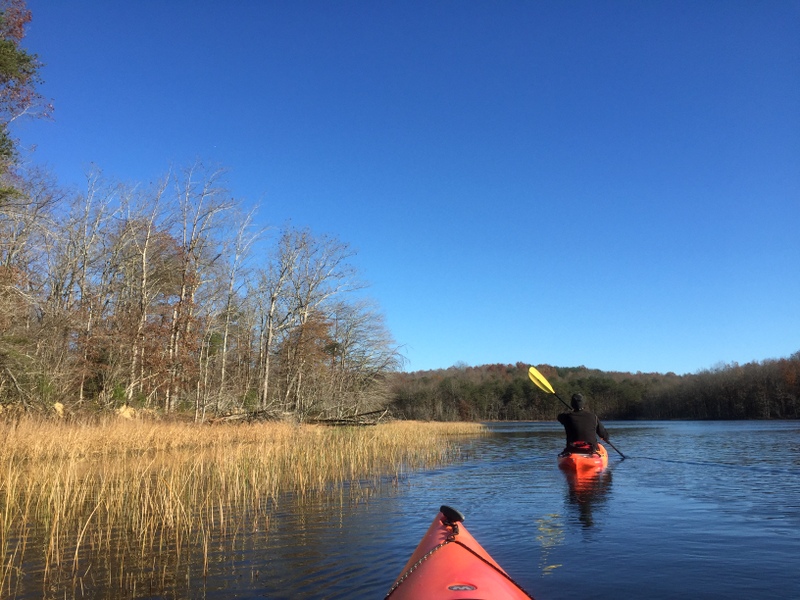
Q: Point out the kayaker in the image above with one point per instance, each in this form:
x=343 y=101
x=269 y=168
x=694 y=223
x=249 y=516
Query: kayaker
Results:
x=582 y=427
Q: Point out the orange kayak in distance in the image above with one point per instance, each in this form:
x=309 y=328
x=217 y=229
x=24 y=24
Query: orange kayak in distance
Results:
x=449 y=564
x=579 y=463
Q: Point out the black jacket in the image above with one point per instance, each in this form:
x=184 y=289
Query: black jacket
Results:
x=582 y=426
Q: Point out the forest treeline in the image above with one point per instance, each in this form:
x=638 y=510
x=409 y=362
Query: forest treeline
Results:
x=165 y=296
x=758 y=390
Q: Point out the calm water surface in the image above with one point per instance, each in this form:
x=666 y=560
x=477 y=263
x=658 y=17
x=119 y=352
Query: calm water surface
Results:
x=697 y=510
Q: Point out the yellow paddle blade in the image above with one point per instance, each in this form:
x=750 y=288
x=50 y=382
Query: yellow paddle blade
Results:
x=540 y=381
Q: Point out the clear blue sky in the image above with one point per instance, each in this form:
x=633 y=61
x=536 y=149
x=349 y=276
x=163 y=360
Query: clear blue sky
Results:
x=613 y=184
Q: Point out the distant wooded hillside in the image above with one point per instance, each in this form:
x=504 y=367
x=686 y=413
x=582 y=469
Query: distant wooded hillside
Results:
x=765 y=390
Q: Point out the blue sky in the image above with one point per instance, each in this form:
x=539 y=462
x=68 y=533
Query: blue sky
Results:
x=613 y=184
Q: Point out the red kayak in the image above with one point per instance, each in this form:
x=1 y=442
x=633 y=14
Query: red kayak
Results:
x=580 y=463
x=449 y=564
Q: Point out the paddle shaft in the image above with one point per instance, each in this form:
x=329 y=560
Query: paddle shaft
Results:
x=615 y=448
x=562 y=401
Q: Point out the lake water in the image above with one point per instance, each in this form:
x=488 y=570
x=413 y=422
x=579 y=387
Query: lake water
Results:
x=696 y=510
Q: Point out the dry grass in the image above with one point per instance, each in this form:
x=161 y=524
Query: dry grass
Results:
x=136 y=491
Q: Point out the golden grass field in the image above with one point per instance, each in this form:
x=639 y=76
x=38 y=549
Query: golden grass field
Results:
x=134 y=491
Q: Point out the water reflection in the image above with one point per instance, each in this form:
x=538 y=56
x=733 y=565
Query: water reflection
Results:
x=550 y=535
x=586 y=491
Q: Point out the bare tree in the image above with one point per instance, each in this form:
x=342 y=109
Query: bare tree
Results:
x=27 y=350
x=140 y=272
x=363 y=352
x=202 y=203
x=75 y=258
x=320 y=273
x=271 y=297
x=240 y=251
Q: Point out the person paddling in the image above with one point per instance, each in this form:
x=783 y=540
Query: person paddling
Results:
x=582 y=427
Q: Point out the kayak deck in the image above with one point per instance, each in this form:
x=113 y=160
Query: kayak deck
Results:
x=449 y=564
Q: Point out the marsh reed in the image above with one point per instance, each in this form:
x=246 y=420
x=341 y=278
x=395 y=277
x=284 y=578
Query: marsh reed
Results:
x=122 y=497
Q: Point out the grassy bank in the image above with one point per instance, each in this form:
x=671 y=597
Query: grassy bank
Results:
x=132 y=492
